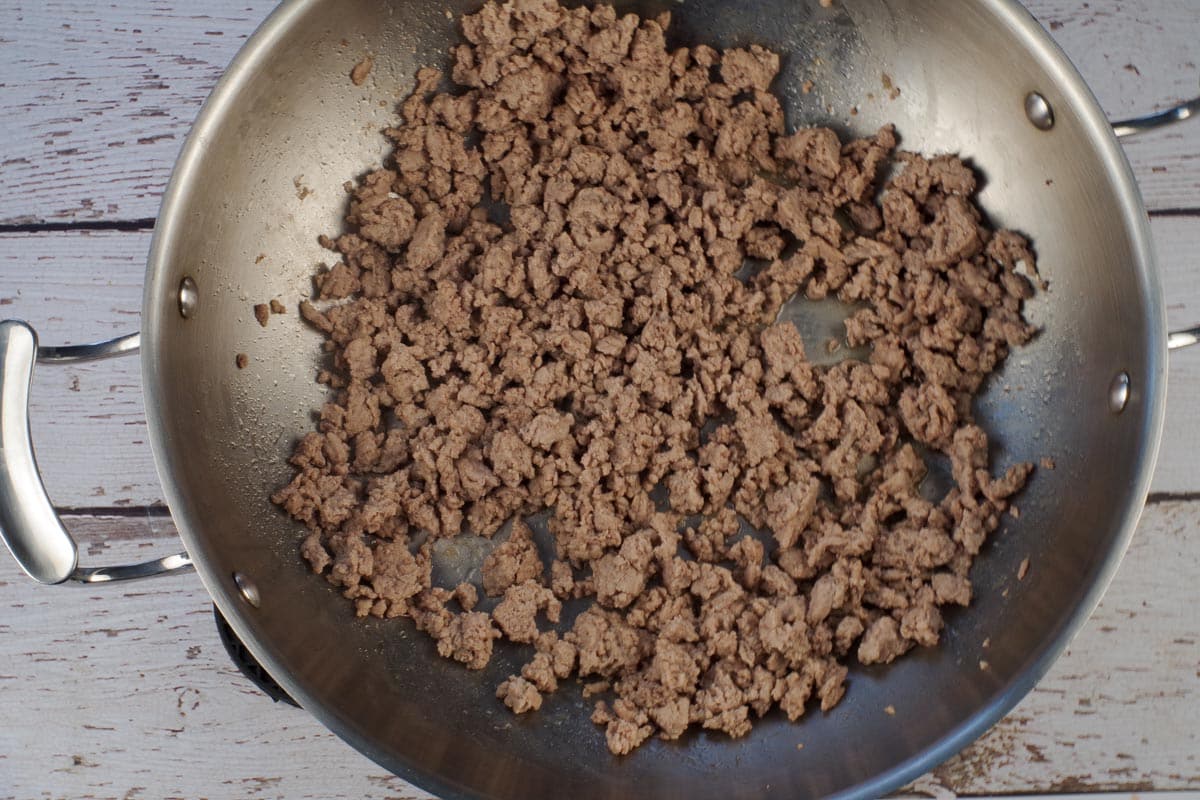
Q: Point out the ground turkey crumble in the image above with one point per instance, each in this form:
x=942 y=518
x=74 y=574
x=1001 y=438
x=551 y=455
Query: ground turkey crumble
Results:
x=535 y=307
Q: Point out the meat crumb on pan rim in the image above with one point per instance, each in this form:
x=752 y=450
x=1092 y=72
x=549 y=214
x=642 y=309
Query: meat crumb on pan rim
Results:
x=594 y=346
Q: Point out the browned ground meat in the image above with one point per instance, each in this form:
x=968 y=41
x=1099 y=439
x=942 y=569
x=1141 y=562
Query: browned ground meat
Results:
x=596 y=346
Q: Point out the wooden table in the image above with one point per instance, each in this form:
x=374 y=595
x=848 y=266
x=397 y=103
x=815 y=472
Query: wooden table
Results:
x=126 y=692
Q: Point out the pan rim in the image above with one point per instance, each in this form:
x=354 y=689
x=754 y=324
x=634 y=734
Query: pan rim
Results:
x=158 y=304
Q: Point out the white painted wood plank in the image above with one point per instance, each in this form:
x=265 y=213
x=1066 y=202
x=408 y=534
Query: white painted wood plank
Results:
x=95 y=100
x=1177 y=240
x=80 y=286
x=113 y=690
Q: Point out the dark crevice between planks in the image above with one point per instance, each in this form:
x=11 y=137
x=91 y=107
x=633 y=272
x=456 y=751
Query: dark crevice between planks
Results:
x=1172 y=497
x=126 y=512
x=127 y=225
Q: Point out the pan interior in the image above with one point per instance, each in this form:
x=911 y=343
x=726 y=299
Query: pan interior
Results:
x=262 y=176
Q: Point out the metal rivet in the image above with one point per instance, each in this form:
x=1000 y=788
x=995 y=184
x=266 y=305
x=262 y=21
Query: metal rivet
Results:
x=1118 y=393
x=1039 y=111
x=247 y=588
x=189 y=297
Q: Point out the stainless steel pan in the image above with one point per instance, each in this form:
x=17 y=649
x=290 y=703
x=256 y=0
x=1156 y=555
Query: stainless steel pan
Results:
x=978 y=77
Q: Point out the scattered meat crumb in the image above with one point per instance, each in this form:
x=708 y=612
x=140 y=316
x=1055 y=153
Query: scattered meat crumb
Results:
x=242 y=360
x=889 y=85
x=890 y=711
x=302 y=191
x=277 y=307
x=1023 y=570
x=1048 y=462
x=358 y=75
x=262 y=313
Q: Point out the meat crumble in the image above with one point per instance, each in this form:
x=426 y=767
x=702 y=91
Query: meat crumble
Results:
x=536 y=305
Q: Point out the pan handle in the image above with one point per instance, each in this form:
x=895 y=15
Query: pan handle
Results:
x=29 y=524
x=1160 y=119
x=1177 y=340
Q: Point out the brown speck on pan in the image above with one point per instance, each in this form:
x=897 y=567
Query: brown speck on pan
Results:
x=826 y=3
x=870 y=97
x=1048 y=462
x=806 y=87
x=1005 y=592
x=854 y=111
x=1049 y=181
x=344 y=43
x=888 y=84
x=261 y=257
x=302 y=191
x=1014 y=512
x=985 y=666
x=262 y=312
x=449 y=14
x=241 y=360
x=325 y=241
x=890 y=711
x=832 y=346
x=277 y=307
x=1023 y=570
x=987 y=643
x=800 y=746
x=358 y=75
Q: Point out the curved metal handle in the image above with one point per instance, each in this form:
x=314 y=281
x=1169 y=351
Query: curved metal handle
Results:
x=29 y=524
x=1159 y=119
x=1177 y=340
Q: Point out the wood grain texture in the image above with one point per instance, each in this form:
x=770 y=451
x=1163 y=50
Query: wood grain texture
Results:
x=110 y=688
x=77 y=286
x=96 y=100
